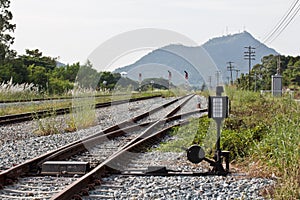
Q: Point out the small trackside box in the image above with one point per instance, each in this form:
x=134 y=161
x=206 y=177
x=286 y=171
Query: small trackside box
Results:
x=64 y=168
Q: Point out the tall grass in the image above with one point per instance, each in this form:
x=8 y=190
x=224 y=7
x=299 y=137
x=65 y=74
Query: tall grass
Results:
x=280 y=149
x=265 y=130
x=48 y=125
x=10 y=91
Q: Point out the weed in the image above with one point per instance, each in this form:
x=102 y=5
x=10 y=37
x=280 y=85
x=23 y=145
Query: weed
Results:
x=265 y=130
x=47 y=125
x=182 y=138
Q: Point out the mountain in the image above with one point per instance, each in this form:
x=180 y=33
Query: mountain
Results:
x=232 y=48
x=200 y=62
x=60 y=64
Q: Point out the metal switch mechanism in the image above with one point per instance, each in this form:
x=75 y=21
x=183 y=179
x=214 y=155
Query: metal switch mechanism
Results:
x=218 y=110
x=195 y=154
x=64 y=168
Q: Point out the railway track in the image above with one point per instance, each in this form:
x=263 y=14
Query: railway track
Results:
x=99 y=151
x=56 y=98
x=10 y=119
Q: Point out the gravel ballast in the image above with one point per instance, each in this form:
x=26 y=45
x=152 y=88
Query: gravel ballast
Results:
x=185 y=187
x=19 y=143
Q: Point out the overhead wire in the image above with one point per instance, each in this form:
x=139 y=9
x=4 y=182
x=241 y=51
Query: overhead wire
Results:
x=285 y=20
x=281 y=22
x=291 y=19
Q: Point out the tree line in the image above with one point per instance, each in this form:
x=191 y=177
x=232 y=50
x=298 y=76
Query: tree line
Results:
x=43 y=72
x=260 y=74
x=48 y=77
x=40 y=70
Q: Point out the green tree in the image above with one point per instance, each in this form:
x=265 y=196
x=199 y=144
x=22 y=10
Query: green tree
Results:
x=38 y=76
x=58 y=86
x=291 y=76
x=87 y=77
x=289 y=69
x=35 y=57
x=5 y=72
x=71 y=72
x=108 y=80
x=68 y=72
x=6 y=40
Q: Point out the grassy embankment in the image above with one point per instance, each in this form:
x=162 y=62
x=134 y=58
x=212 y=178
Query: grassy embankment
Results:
x=262 y=135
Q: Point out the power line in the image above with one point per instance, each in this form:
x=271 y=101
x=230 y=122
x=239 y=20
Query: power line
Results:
x=290 y=14
x=230 y=68
x=218 y=77
x=237 y=73
x=209 y=80
x=249 y=55
x=281 y=21
x=294 y=15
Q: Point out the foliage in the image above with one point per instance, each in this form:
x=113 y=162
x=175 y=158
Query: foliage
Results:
x=266 y=131
x=57 y=86
x=260 y=75
x=6 y=40
x=280 y=150
x=184 y=137
x=43 y=73
x=48 y=125
x=36 y=58
x=203 y=125
x=10 y=91
x=152 y=83
x=87 y=77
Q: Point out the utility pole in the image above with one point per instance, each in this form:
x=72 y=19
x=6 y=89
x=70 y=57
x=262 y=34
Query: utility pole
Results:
x=255 y=76
x=249 y=55
x=140 y=82
x=186 y=76
x=237 y=73
x=218 y=77
x=230 y=68
x=209 y=80
x=278 y=65
x=169 y=78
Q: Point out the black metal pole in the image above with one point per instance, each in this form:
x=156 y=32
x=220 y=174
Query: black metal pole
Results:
x=218 y=145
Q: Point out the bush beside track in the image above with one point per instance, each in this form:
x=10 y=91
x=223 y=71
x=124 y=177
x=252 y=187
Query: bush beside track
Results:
x=262 y=135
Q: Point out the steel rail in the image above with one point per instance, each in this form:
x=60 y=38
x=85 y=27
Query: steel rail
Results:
x=28 y=116
x=32 y=165
x=58 y=98
x=96 y=138
x=160 y=122
x=81 y=146
x=84 y=184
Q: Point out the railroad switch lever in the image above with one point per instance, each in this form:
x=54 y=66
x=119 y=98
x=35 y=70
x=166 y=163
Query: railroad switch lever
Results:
x=218 y=110
x=196 y=154
x=219 y=156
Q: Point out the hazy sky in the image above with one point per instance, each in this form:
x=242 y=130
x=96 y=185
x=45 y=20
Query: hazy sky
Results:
x=72 y=29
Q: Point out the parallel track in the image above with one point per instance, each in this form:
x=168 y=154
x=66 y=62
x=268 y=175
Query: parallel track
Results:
x=11 y=119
